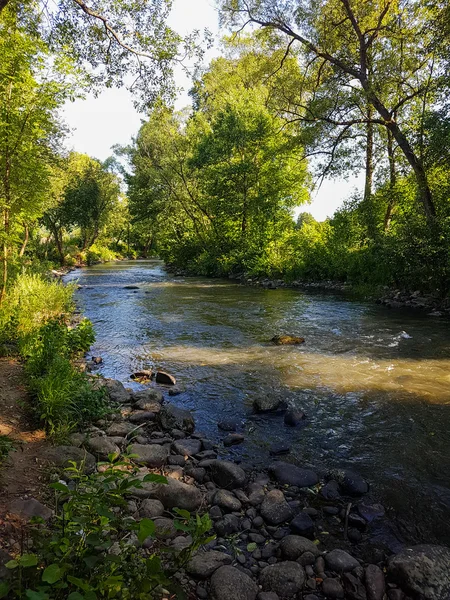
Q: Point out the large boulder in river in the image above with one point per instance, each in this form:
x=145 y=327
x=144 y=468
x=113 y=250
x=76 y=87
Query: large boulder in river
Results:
x=226 y=474
x=287 y=340
x=229 y=583
x=117 y=391
x=349 y=482
x=422 y=571
x=288 y=474
x=165 y=378
x=173 y=417
x=267 y=404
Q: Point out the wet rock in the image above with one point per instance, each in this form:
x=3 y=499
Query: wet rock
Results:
x=29 y=508
x=130 y=287
x=187 y=447
x=226 y=501
x=375 y=584
x=152 y=456
x=285 y=578
x=340 y=561
x=117 y=391
x=121 y=429
x=233 y=439
x=267 y=404
x=302 y=525
x=275 y=509
x=228 y=425
x=172 y=417
x=226 y=474
x=143 y=375
x=97 y=360
x=285 y=473
x=165 y=378
x=422 y=571
x=370 y=512
x=230 y=583
x=176 y=494
x=279 y=448
x=102 y=446
x=354 y=587
x=330 y=490
x=350 y=483
x=141 y=416
x=151 y=509
x=332 y=588
x=204 y=564
x=287 y=340
x=293 y=546
x=61 y=456
x=293 y=417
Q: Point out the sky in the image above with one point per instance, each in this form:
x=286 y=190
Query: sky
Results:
x=97 y=124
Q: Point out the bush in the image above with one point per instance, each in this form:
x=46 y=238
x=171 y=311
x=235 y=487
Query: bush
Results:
x=99 y=254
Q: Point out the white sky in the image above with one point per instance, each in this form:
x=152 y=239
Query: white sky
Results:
x=99 y=123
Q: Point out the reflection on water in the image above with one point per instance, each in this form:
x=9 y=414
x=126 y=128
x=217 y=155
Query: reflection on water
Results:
x=374 y=383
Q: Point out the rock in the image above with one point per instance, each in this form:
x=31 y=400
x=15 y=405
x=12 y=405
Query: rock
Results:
x=268 y=596
x=176 y=494
x=117 y=391
x=121 y=429
x=226 y=474
x=143 y=375
x=165 y=378
x=225 y=500
x=227 y=526
x=285 y=473
x=77 y=439
x=287 y=340
x=227 y=425
x=233 y=439
x=422 y=571
x=279 y=448
x=61 y=456
x=255 y=493
x=330 y=490
x=141 y=416
x=229 y=583
x=152 y=456
x=370 y=512
x=97 y=360
x=332 y=588
x=172 y=417
x=350 y=483
x=302 y=525
x=204 y=564
x=293 y=546
x=187 y=447
x=130 y=287
x=285 y=578
x=151 y=509
x=293 y=417
x=353 y=586
x=164 y=528
x=29 y=508
x=340 y=561
x=275 y=509
x=198 y=474
x=266 y=404
x=375 y=584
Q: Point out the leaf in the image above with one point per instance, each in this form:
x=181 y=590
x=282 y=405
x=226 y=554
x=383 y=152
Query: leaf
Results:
x=52 y=573
x=4 y=589
x=251 y=547
x=75 y=596
x=146 y=529
x=83 y=585
x=60 y=487
x=33 y=595
x=28 y=560
x=153 y=478
x=12 y=564
x=182 y=526
x=183 y=513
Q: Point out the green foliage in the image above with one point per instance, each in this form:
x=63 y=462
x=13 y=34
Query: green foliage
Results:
x=94 y=548
x=6 y=446
x=99 y=254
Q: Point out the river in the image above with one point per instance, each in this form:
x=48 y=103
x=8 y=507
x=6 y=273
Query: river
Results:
x=374 y=383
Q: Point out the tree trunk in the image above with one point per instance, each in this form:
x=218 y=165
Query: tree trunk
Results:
x=148 y=245
x=371 y=228
x=25 y=241
x=392 y=181
x=5 y=254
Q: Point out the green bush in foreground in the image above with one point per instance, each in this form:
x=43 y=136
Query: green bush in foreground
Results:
x=94 y=549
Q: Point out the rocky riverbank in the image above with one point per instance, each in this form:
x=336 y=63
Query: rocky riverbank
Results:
x=286 y=532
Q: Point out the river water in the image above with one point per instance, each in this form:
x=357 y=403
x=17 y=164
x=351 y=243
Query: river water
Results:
x=374 y=383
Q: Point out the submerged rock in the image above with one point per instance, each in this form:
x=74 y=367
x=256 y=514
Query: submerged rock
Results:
x=349 y=482
x=233 y=439
x=267 y=404
x=287 y=340
x=294 y=417
x=144 y=375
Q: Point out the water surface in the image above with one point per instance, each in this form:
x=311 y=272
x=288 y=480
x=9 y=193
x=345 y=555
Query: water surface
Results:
x=374 y=383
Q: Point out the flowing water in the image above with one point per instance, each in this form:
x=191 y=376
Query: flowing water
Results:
x=374 y=383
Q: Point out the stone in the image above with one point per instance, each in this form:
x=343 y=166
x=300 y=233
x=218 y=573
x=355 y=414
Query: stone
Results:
x=226 y=474
x=285 y=578
x=293 y=546
x=143 y=375
x=330 y=491
x=279 y=448
x=172 y=417
x=255 y=493
x=141 y=416
x=268 y=596
x=349 y=482
x=116 y=391
x=340 y=561
x=164 y=528
x=151 y=509
x=165 y=378
x=332 y=588
x=215 y=512
x=77 y=439
x=230 y=583
x=227 y=425
x=285 y=473
x=275 y=509
x=97 y=360
x=176 y=460
x=176 y=494
x=375 y=584
x=187 y=447
x=29 y=508
x=153 y=456
x=102 y=446
x=150 y=406
x=293 y=417
x=204 y=564
x=233 y=439
x=302 y=525
x=353 y=586
x=121 y=429
x=266 y=404
x=226 y=501
x=61 y=456
x=148 y=395
x=287 y=340
x=370 y=512
x=226 y=526
x=422 y=571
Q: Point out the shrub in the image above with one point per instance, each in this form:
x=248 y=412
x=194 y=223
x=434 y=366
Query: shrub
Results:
x=99 y=254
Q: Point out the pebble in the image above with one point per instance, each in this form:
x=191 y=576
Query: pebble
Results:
x=302 y=525
x=332 y=588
